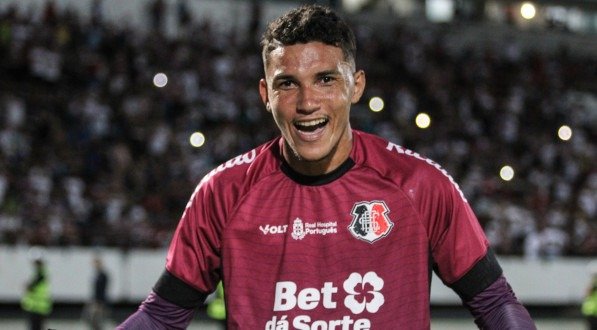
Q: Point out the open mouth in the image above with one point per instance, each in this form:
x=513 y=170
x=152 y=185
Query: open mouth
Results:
x=310 y=125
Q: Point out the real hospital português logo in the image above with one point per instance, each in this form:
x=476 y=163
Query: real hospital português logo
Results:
x=363 y=293
x=298 y=229
x=370 y=221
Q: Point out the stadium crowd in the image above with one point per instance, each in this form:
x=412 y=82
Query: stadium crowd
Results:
x=93 y=154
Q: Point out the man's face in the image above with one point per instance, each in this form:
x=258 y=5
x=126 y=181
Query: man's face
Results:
x=309 y=89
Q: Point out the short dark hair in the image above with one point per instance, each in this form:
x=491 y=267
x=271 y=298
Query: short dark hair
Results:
x=309 y=23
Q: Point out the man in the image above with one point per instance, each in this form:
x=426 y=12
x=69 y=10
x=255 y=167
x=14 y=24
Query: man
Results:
x=589 y=305
x=325 y=227
x=216 y=306
x=37 y=300
x=96 y=309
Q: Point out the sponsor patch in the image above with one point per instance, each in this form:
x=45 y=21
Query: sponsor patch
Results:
x=300 y=229
x=363 y=297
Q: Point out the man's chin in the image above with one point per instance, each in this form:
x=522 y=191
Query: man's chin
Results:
x=310 y=157
x=310 y=164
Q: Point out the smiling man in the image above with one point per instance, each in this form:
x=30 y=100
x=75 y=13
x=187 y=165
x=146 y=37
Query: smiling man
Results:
x=309 y=89
x=325 y=227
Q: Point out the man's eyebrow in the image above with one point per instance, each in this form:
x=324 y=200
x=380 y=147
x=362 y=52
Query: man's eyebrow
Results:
x=283 y=76
x=327 y=73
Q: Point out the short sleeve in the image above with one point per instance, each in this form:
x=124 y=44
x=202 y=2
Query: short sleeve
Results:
x=457 y=240
x=194 y=252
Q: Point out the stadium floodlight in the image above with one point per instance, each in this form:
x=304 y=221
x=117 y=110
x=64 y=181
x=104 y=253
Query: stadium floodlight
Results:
x=423 y=120
x=507 y=173
x=160 y=80
x=376 y=104
x=197 y=139
x=528 y=10
x=439 y=11
x=565 y=133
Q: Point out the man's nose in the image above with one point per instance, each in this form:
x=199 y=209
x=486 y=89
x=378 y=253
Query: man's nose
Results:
x=308 y=99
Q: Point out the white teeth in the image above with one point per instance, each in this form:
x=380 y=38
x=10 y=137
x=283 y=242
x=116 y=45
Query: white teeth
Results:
x=310 y=123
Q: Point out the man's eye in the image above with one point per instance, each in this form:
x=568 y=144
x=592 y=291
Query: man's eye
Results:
x=286 y=84
x=327 y=79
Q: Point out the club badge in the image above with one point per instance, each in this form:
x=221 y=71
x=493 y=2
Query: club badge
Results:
x=370 y=221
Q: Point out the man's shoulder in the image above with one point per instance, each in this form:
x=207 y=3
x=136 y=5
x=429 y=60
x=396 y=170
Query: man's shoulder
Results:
x=394 y=160
x=258 y=161
x=228 y=182
x=373 y=150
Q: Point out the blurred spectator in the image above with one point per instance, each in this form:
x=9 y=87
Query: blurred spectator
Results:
x=216 y=307
x=37 y=301
x=183 y=15
x=589 y=305
x=157 y=13
x=96 y=310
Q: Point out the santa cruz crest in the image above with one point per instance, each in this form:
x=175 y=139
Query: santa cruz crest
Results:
x=370 y=221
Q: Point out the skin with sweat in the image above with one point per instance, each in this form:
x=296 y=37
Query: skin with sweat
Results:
x=309 y=89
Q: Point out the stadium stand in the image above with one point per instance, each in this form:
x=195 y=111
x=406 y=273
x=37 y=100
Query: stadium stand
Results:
x=93 y=154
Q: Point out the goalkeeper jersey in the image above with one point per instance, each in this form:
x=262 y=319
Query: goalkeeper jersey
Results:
x=352 y=249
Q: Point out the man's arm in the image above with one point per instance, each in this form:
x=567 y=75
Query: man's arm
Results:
x=171 y=305
x=496 y=307
x=486 y=293
x=156 y=313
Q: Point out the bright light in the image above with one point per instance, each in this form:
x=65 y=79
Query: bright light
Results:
x=507 y=173
x=376 y=104
x=439 y=10
x=423 y=120
x=353 y=6
x=528 y=10
x=565 y=132
x=160 y=80
x=197 y=139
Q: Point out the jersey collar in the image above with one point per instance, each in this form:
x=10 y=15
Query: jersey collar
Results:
x=316 y=180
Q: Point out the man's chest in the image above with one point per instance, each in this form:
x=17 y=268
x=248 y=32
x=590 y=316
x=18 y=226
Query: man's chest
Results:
x=343 y=252
x=352 y=222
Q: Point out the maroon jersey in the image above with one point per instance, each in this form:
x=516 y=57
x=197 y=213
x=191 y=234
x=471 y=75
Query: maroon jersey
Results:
x=352 y=249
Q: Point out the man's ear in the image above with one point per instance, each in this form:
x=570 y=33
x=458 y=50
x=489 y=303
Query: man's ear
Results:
x=359 y=86
x=263 y=94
